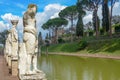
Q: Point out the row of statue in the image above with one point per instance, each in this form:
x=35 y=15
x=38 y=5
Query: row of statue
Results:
x=26 y=52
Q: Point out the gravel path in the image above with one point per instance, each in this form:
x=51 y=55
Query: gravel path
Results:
x=4 y=72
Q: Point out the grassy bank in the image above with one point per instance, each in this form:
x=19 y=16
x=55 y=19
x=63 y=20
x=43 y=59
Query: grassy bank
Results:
x=108 y=46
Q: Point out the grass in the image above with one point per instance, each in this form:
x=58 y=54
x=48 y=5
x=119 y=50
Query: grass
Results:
x=111 y=46
x=104 y=46
x=66 y=47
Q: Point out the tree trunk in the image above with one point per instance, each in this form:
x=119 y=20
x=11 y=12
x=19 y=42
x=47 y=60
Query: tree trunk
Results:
x=96 y=24
x=110 y=33
x=71 y=28
x=46 y=50
x=56 y=35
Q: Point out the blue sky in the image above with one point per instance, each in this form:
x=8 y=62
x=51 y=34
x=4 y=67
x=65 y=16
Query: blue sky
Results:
x=47 y=9
x=16 y=7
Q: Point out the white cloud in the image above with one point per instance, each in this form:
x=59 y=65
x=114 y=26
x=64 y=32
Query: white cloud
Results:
x=3 y=26
x=116 y=8
x=116 y=11
x=87 y=18
x=9 y=16
x=50 y=11
x=7 y=23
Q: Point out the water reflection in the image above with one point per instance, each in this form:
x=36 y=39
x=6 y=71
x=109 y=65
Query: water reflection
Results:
x=59 y=67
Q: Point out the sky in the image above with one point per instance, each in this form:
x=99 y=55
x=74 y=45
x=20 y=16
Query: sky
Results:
x=14 y=9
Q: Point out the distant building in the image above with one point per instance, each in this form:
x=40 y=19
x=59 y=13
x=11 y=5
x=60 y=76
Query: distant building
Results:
x=60 y=31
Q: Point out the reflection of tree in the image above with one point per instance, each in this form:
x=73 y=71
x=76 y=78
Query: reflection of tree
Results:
x=40 y=42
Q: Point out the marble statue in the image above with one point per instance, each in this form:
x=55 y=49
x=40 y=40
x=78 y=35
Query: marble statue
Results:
x=14 y=39
x=29 y=48
x=30 y=38
x=11 y=44
x=22 y=56
x=8 y=46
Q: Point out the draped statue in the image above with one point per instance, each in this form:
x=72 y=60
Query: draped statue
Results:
x=30 y=38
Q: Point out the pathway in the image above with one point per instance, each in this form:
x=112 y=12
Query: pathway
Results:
x=89 y=55
x=4 y=72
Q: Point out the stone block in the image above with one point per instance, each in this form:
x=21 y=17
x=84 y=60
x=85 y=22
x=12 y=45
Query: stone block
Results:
x=36 y=76
x=14 y=66
x=9 y=62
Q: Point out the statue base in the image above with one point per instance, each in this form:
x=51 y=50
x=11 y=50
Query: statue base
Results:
x=14 y=66
x=9 y=61
x=36 y=76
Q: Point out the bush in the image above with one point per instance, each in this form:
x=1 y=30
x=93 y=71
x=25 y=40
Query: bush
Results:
x=91 y=33
x=60 y=40
x=117 y=28
x=101 y=32
x=82 y=44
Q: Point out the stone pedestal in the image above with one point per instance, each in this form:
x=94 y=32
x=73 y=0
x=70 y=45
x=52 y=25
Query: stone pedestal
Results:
x=9 y=62
x=36 y=76
x=14 y=66
x=6 y=58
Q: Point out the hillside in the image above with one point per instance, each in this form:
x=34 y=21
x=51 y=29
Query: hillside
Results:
x=106 y=46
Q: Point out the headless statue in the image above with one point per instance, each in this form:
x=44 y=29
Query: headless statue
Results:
x=30 y=38
x=8 y=44
x=14 y=39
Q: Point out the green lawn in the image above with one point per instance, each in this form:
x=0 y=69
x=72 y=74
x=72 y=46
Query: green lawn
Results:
x=66 y=47
x=108 y=46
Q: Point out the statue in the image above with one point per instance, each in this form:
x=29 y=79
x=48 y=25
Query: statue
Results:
x=14 y=39
x=29 y=48
x=30 y=38
x=8 y=46
x=22 y=56
x=11 y=45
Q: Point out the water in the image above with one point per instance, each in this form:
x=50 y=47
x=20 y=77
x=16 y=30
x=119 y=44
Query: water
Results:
x=59 y=67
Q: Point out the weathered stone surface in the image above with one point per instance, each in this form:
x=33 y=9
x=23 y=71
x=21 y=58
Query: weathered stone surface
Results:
x=9 y=61
x=14 y=66
x=14 y=39
x=22 y=59
x=29 y=48
x=30 y=40
x=37 y=76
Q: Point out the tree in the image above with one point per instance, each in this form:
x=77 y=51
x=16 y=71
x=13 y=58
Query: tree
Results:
x=105 y=14
x=112 y=2
x=47 y=36
x=79 y=26
x=88 y=26
x=94 y=4
x=71 y=14
x=3 y=36
x=54 y=24
x=115 y=20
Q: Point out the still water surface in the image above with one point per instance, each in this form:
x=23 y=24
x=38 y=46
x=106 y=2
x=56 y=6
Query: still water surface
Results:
x=59 y=67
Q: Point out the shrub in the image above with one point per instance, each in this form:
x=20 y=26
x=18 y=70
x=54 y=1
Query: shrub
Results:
x=117 y=28
x=91 y=33
x=82 y=44
x=60 y=40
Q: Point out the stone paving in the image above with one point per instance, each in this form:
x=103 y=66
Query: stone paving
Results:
x=4 y=71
